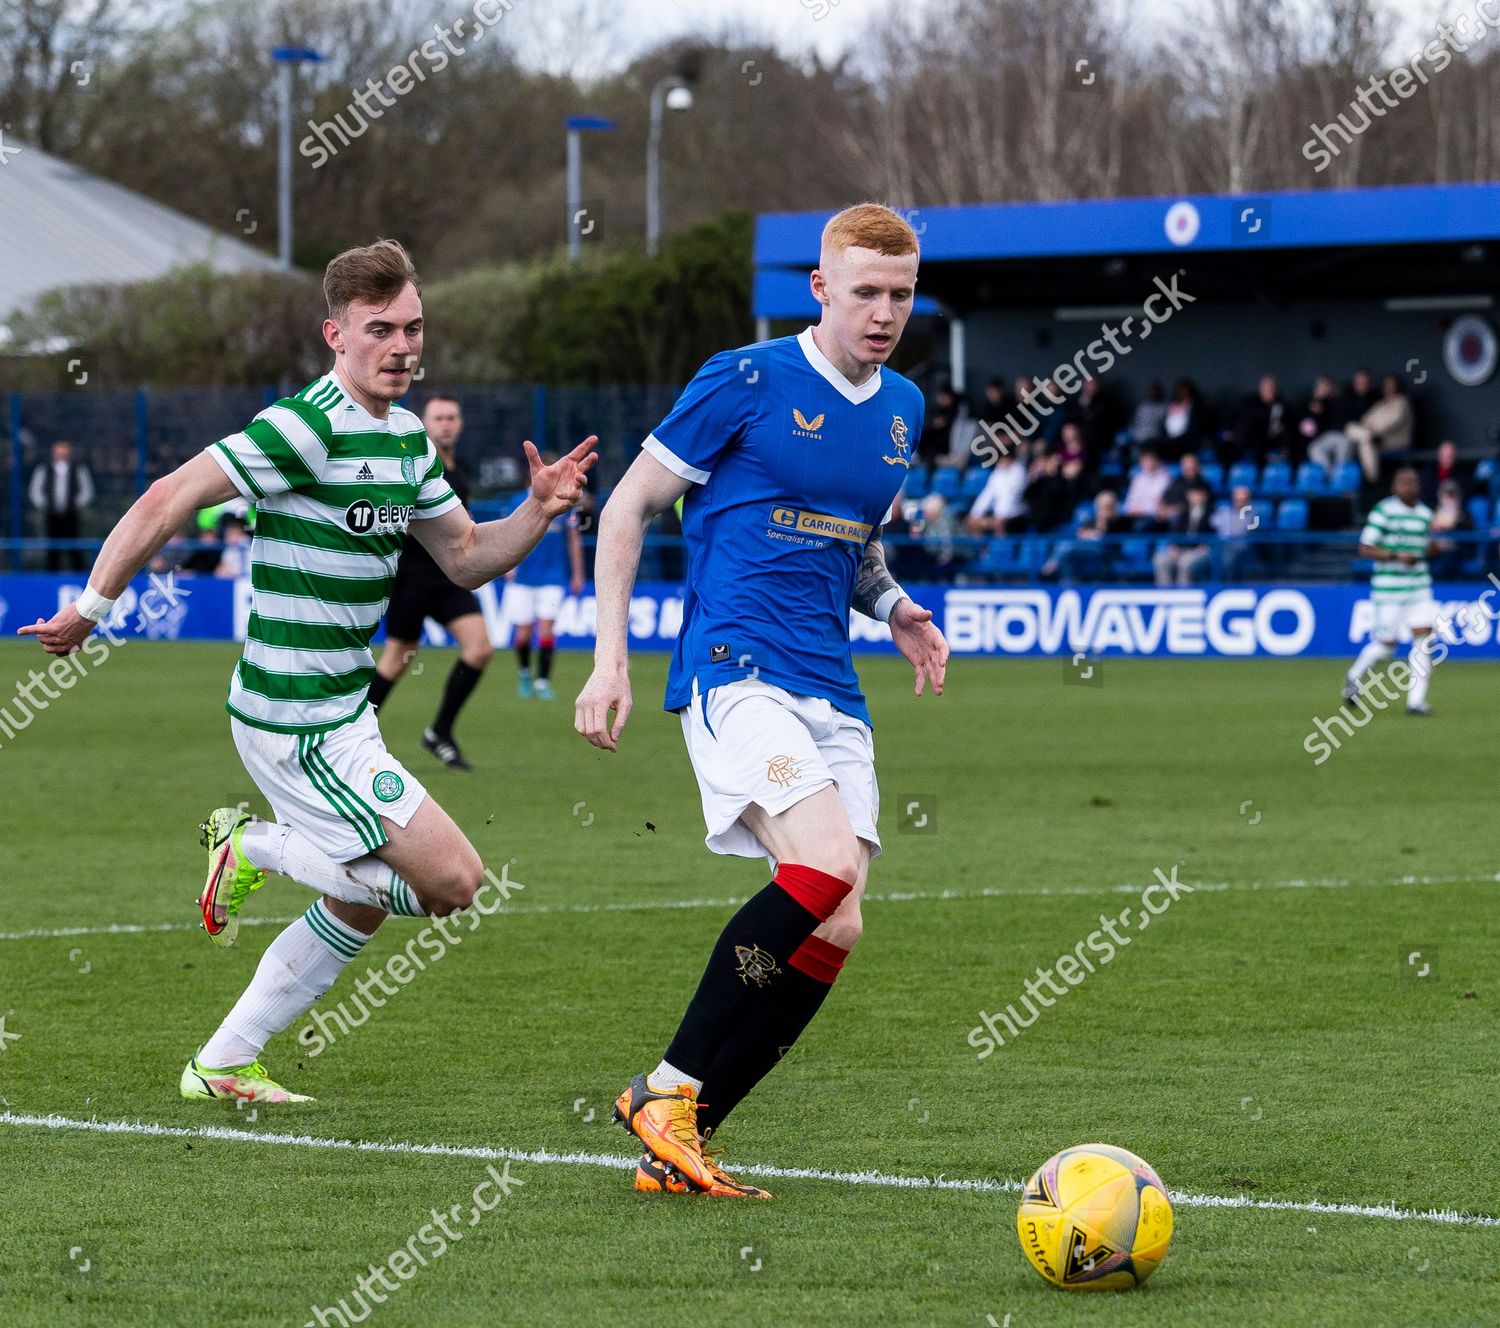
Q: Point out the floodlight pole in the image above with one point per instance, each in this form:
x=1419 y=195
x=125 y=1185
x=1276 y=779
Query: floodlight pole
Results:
x=577 y=126
x=659 y=94
x=287 y=58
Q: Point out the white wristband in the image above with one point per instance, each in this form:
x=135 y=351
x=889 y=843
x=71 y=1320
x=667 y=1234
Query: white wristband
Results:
x=93 y=606
x=886 y=604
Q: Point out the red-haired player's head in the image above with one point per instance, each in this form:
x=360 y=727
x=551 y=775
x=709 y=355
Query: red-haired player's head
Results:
x=866 y=280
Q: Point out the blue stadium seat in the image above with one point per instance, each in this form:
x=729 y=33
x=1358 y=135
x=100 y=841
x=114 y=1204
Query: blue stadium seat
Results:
x=1034 y=551
x=999 y=556
x=1292 y=514
x=1110 y=468
x=1244 y=472
x=1479 y=513
x=916 y=483
x=1213 y=475
x=1484 y=473
x=1083 y=514
x=975 y=478
x=1276 y=479
x=1135 y=556
x=947 y=482
x=1347 y=478
x=1311 y=478
x=1265 y=512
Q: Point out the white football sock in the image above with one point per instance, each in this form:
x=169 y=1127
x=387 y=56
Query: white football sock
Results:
x=1369 y=657
x=298 y=967
x=367 y=880
x=667 y=1077
x=1422 y=665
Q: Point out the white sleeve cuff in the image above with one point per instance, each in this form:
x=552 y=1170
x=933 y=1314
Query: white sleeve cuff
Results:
x=235 y=478
x=673 y=462
x=886 y=604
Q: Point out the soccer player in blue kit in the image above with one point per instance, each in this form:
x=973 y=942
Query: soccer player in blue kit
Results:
x=790 y=454
x=534 y=594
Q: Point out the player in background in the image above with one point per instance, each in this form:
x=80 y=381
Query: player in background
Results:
x=790 y=454
x=421 y=591
x=1398 y=537
x=534 y=595
x=338 y=473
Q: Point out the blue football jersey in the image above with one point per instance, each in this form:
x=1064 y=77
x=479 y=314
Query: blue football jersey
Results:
x=547 y=564
x=793 y=470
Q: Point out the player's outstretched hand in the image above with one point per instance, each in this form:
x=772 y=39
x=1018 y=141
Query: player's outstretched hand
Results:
x=559 y=487
x=607 y=689
x=917 y=637
x=64 y=634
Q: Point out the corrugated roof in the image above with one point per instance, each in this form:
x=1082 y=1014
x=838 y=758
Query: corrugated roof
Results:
x=60 y=226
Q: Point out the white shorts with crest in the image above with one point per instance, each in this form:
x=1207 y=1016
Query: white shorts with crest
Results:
x=750 y=742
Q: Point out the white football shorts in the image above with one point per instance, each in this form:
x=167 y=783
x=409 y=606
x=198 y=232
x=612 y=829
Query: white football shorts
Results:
x=333 y=787
x=1392 y=615
x=524 y=605
x=750 y=742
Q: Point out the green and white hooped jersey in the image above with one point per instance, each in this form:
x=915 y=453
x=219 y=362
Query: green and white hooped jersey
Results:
x=334 y=490
x=1401 y=529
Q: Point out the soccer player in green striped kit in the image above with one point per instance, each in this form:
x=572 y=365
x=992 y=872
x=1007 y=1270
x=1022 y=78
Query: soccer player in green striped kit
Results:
x=1398 y=537
x=337 y=473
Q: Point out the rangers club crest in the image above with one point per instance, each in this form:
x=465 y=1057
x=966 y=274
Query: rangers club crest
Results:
x=755 y=965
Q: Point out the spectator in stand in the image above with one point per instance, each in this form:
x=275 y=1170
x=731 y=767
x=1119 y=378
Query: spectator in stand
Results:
x=1362 y=393
x=1176 y=497
x=1071 y=446
x=1050 y=497
x=1180 y=560
x=1385 y=430
x=1144 y=509
x=1450 y=515
x=935 y=529
x=1448 y=469
x=234 y=561
x=61 y=489
x=1000 y=506
x=1087 y=554
x=1183 y=423
x=1148 y=423
x=938 y=427
x=994 y=405
x=1324 y=423
x=1233 y=523
x=1259 y=426
x=1096 y=419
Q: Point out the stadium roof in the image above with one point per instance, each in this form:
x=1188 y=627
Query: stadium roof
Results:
x=61 y=226
x=1309 y=241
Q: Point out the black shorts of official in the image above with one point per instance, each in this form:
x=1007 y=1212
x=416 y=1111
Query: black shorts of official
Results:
x=414 y=598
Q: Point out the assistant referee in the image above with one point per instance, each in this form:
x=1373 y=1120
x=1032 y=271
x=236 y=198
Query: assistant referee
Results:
x=422 y=591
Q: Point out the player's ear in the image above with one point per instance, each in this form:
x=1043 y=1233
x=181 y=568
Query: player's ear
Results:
x=333 y=335
x=819 y=285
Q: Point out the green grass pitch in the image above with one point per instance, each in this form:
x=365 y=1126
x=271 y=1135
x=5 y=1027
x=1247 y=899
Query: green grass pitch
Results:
x=1262 y=1040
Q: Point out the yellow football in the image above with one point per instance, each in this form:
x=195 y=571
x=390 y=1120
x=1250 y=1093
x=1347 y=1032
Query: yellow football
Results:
x=1095 y=1218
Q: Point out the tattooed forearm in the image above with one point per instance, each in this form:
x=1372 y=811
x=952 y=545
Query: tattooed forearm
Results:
x=873 y=584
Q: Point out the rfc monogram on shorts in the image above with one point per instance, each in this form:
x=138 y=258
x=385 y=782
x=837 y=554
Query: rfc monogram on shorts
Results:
x=755 y=965
x=782 y=770
x=389 y=786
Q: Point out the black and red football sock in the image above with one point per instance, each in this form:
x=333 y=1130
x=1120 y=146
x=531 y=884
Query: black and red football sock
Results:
x=751 y=954
x=544 y=657
x=770 y=1029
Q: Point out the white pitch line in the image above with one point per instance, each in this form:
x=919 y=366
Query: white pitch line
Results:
x=875 y=897
x=547 y=1156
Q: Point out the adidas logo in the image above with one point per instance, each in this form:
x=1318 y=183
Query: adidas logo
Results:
x=365 y=473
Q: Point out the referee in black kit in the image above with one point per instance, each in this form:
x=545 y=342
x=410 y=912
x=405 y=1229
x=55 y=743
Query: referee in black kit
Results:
x=422 y=591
